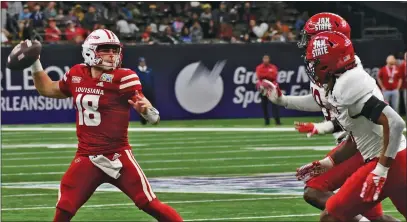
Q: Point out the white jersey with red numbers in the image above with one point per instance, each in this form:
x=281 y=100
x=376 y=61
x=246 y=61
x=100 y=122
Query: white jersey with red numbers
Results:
x=352 y=89
x=319 y=94
x=102 y=108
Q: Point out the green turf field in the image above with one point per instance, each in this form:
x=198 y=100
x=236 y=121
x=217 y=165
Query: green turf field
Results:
x=213 y=175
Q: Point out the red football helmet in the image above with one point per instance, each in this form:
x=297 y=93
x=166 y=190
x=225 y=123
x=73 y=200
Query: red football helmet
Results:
x=321 y=22
x=327 y=54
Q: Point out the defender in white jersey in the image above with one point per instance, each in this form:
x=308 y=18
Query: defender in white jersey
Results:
x=376 y=129
x=319 y=188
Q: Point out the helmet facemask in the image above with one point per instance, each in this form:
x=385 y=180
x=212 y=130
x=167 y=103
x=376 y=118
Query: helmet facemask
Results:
x=311 y=68
x=305 y=37
x=106 y=50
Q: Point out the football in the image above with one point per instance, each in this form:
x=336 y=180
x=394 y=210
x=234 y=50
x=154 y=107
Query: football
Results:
x=24 y=55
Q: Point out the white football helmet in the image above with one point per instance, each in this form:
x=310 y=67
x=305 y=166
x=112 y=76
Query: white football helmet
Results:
x=93 y=41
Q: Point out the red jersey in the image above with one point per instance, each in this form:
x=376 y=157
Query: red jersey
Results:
x=390 y=77
x=71 y=34
x=268 y=72
x=403 y=72
x=52 y=35
x=103 y=113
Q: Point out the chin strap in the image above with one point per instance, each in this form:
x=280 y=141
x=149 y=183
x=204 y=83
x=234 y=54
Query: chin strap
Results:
x=106 y=65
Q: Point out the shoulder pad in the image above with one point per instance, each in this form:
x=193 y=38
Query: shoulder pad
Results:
x=352 y=86
x=127 y=80
x=76 y=69
x=121 y=74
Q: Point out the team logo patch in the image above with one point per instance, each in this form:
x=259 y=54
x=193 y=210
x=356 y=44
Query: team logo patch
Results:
x=76 y=79
x=106 y=78
x=323 y=24
x=320 y=48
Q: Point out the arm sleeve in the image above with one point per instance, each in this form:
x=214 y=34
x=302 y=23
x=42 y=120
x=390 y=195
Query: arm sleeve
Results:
x=325 y=127
x=302 y=103
x=396 y=127
x=372 y=109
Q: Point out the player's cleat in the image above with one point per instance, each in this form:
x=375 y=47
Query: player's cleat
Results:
x=24 y=55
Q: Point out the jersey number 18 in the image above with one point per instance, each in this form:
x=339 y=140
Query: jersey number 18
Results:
x=87 y=106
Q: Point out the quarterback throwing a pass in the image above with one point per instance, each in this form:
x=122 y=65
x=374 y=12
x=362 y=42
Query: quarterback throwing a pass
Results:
x=103 y=94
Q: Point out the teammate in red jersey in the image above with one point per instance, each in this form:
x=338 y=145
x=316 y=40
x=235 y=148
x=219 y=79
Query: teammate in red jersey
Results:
x=103 y=96
x=319 y=188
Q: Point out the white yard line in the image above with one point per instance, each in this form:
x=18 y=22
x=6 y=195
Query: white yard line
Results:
x=177 y=160
x=161 y=129
x=47 y=145
x=146 y=139
x=136 y=155
x=265 y=217
x=168 y=202
x=183 y=142
x=179 y=142
x=31 y=195
x=162 y=169
x=276 y=148
x=158 y=129
x=40 y=152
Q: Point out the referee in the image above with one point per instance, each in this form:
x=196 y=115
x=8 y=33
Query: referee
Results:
x=268 y=71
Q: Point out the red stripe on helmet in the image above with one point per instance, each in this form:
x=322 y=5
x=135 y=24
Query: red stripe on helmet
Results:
x=112 y=34
x=107 y=33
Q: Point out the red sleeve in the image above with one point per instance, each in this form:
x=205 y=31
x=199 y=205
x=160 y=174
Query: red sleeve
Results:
x=65 y=82
x=129 y=83
x=402 y=70
x=380 y=74
x=274 y=73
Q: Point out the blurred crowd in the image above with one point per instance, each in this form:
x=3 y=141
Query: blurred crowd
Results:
x=152 y=22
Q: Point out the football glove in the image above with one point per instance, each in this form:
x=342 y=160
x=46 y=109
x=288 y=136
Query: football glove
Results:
x=308 y=128
x=315 y=128
x=271 y=91
x=314 y=169
x=373 y=185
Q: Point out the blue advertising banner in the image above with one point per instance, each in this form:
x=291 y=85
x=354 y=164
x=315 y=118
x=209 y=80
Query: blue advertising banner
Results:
x=190 y=81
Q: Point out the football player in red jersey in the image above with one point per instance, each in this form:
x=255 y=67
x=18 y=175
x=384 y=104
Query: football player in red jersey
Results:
x=103 y=95
x=318 y=188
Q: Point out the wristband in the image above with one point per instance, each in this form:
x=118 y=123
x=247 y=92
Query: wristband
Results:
x=327 y=162
x=36 y=67
x=380 y=170
x=152 y=115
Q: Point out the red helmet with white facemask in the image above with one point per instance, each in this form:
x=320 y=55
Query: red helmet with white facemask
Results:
x=101 y=38
x=322 y=22
x=328 y=54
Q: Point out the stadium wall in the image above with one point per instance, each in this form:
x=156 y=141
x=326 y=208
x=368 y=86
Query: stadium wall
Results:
x=191 y=81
